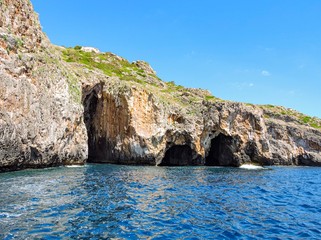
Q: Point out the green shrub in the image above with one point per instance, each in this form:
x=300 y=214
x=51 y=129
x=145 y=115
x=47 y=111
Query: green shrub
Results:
x=106 y=62
x=208 y=98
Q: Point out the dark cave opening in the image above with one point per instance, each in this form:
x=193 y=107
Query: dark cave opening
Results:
x=34 y=154
x=221 y=151
x=178 y=155
x=90 y=107
x=105 y=121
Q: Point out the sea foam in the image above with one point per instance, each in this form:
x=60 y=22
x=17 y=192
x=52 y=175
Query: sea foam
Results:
x=250 y=166
x=74 y=166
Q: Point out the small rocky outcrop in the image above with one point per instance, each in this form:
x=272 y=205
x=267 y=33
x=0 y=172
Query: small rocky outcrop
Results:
x=145 y=67
x=90 y=49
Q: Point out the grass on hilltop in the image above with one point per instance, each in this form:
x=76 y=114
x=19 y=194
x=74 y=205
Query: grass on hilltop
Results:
x=112 y=65
x=108 y=63
x=278 y=111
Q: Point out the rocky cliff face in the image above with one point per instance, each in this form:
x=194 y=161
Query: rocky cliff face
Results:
x=40 y=122
x=135 y=118
x=52 y=99
x=293 y=144
x=134 y=127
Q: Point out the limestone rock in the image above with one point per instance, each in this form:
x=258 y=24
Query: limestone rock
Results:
x=40 y=123
x=90 y=49
x=145 y=66
x=132 y=126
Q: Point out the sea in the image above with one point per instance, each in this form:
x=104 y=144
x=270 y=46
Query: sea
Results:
x=97 y=201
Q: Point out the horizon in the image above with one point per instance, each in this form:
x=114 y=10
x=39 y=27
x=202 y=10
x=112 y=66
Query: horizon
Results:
x=258 y=53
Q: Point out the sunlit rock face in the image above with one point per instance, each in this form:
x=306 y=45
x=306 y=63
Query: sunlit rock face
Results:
x=291 y=143
x=19 y=26
x=40 y=123
x=128 y=125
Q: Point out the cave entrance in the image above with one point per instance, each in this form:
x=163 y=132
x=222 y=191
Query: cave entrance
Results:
x=178 y=155
x=90 y=111
x=107 y=119
x=221 y=151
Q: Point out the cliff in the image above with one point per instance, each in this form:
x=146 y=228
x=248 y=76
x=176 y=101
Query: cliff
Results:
x=132 y=117
x=40 y=121
x=70 y=105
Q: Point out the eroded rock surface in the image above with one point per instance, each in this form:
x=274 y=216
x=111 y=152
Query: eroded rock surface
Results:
x=40 y=122
x=133 y=126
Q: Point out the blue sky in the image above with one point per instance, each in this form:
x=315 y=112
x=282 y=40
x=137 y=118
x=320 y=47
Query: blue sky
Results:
x=256 y=51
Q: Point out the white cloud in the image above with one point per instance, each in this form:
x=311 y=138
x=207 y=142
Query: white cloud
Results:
x=266 y=73
x=268 y=49
x=242 y=85
x=292 y=92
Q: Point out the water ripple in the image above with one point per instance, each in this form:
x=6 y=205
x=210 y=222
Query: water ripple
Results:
x=127 y=202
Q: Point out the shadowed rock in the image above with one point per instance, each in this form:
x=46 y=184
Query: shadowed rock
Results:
x=221 y=152
x=179 y=156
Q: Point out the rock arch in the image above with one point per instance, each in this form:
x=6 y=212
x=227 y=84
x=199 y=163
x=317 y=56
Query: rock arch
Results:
x=221 y=152
x=180 y=155
x=107 y=121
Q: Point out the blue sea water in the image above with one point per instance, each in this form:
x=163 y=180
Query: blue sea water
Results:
x=135 y=202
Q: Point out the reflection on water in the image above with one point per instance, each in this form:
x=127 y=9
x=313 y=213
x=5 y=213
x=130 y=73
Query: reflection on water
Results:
x=128 y=202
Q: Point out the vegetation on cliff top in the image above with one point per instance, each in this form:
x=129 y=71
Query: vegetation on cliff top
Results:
x=109 y=63
x=288 y=114
x=113 y=65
